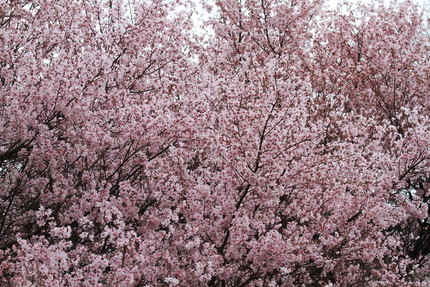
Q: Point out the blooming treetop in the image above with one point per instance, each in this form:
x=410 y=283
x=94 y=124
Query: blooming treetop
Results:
x=291 y=148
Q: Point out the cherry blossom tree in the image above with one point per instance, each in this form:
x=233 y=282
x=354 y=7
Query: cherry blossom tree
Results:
x=289 y=148
x=91 y=102
x=382 y=74
x=322 y=123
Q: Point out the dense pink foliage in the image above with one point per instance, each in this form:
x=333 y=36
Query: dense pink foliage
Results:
x=291 y=148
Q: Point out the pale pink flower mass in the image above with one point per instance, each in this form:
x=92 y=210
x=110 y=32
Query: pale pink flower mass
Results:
x=285 y=144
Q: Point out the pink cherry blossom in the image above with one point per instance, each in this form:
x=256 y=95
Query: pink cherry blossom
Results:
x=288 y=147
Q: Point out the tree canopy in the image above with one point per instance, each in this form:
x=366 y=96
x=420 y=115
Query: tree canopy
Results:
x=291 y=147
